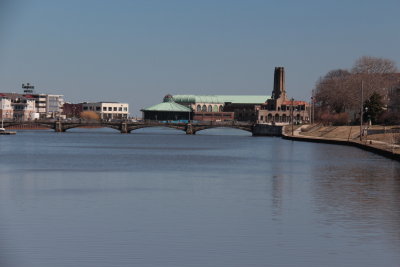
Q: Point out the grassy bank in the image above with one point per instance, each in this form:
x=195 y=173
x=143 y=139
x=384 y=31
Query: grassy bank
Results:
x=383 y=140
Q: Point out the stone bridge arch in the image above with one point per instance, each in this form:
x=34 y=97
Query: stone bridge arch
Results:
x=137 y=127
x=29 y=123
x=244 y=128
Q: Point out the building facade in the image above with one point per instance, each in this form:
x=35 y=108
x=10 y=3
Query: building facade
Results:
x=47 y=106
x=6 y=110
x=108 y=110
x=279 y=109
x=168 y=110
x=222 y=107
x=188 y=107
x=71 y=110
x=23 y=109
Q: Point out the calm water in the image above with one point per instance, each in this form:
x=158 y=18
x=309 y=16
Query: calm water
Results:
x=220 y=198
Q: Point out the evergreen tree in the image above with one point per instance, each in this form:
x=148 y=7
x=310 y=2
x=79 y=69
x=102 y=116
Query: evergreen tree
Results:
x=373 y=107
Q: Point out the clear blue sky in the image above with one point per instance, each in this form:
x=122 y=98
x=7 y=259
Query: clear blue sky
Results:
x=138 y=51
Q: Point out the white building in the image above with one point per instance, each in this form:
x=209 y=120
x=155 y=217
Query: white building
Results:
x=54 y=105
x=6 y=110
x=23 y=108
x=47 y=106
x=108 y=110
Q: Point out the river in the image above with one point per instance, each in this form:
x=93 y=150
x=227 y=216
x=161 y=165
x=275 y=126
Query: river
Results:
x=158 y=197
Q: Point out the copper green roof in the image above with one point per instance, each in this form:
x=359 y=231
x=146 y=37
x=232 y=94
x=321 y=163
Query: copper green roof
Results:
x=220 y=99
x=168 y=105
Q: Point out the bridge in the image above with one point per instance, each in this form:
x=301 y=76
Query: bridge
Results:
x=127 y=127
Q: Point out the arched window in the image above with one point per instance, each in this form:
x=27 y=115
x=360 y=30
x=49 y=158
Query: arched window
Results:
x=215 y=108
x=198 y=108
x=284 y=118
x=209 y=108
x=220 y=108
x=204 y=108
x=269 y=117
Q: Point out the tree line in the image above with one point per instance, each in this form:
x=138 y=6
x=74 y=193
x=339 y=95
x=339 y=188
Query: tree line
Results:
x=338 y=94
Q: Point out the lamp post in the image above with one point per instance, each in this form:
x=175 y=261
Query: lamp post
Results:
x=366 y=130
x=312 y=108
x=362 y=109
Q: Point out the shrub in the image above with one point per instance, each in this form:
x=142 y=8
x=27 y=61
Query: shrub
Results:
x=389 y=118
x=89 y=115
x=334 y=119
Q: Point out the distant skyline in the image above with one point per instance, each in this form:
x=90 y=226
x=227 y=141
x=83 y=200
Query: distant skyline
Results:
x=139 y=51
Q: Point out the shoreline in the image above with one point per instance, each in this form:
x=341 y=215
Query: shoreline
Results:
x=367 y=145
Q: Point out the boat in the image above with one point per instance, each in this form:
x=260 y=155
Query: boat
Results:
x=4 y=131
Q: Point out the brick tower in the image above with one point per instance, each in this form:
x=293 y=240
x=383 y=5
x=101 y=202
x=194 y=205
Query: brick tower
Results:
x=279 y=91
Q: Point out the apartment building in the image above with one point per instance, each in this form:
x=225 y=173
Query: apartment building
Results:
x=108 y=110
x=6 y=110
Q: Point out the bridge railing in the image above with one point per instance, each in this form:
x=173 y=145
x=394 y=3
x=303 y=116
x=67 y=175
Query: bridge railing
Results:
x=115 y=122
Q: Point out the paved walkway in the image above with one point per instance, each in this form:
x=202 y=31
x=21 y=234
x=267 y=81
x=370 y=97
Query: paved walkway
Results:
x=369 y=143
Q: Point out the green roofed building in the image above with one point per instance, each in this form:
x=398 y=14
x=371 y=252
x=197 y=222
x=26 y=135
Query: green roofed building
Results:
x=168 y=110
x=194 y=101
x=206 y=107
x=244 y=107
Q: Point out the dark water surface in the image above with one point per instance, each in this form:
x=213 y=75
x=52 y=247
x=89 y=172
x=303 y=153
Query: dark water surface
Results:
x=220 y=198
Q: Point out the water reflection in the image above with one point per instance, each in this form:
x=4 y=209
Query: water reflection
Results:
x=101 y=199
x=360 y=192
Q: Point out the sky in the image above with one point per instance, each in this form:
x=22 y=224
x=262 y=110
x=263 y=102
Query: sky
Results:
x=137 y=51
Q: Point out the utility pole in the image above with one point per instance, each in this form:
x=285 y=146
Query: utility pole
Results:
x=313 y=107
x=362 y=109
x=312 y=115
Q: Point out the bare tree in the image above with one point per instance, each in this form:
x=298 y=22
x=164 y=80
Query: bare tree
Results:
x=340 y=90
x=332 y=91
x=370 y=65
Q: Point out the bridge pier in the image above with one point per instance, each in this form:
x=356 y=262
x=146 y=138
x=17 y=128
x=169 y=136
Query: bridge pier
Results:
x=58 y=127
x=189 y=129
x=124 y=128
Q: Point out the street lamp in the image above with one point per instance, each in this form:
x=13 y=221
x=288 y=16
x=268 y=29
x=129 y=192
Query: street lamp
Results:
x=366 y=130
x=362 y=109
x=312 y=116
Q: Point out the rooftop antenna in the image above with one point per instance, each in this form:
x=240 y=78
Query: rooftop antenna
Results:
x=28 y=88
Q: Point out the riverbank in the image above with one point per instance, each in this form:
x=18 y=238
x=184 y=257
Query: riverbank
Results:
x=377 y=139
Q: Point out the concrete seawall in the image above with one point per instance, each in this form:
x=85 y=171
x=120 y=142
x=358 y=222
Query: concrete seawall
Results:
x=382 y=152
x=267 y=130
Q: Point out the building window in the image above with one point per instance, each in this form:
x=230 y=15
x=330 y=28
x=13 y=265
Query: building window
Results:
x=198 y=108
x=204 y=108
x=120 y=109
x=109 y=108
x=209 y=108
x=125 y=109
x=104 y=108
x=85 y=108
x=97 y=108
x=115 y=108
